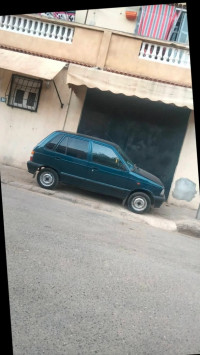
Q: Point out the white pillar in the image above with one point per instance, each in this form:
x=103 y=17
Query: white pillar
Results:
x=186 y=178
x=75 y=109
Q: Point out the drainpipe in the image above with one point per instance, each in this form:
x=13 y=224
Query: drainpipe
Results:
x=67 y=109
x=198 y=213
x=86 y=18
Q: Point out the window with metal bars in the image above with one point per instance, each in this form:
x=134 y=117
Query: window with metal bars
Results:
x=24 y=92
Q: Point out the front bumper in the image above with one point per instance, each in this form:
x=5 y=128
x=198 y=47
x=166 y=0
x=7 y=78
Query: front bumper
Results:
x=33 y=167
x=158 y=201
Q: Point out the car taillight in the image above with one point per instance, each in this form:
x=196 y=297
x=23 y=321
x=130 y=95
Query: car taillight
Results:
x=32 y=154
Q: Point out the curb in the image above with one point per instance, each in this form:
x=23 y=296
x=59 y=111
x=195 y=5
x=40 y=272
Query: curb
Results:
x=187 y=227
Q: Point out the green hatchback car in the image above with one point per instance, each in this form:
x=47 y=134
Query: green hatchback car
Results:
x=95 y=165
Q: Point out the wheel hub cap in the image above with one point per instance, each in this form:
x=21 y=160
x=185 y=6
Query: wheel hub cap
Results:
x=139 y=203
x=47 y=179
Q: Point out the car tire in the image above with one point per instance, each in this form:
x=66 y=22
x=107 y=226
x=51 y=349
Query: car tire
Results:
x=47 y=178
x=139 y=202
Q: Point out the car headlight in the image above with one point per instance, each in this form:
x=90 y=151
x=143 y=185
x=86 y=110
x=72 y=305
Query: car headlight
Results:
x=162 y=192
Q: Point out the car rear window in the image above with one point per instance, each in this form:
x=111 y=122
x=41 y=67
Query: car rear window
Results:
x=62 y=146
x=53 y=142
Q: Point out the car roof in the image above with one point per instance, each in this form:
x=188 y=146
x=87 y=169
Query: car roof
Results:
x=90 y=137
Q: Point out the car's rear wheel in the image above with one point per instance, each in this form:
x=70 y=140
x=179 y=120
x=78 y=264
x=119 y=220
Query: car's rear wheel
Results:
x=47 y=178
x=139 y=202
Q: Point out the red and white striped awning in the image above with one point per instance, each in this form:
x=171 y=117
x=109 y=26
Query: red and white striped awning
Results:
x=157 y=21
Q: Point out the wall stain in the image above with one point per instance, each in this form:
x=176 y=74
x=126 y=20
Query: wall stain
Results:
x=185 y=189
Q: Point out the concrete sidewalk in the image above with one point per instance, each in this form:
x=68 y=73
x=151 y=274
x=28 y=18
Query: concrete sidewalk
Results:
x=167 y=217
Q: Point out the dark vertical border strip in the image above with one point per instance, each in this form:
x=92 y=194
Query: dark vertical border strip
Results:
x=6 y=334
x=193 y=20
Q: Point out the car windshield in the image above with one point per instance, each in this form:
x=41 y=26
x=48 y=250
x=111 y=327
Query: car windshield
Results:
x=128 y=161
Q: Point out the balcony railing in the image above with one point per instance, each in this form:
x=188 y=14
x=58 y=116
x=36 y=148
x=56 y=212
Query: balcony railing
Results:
x=38 y=28
x=165 y=54
x=147 y=49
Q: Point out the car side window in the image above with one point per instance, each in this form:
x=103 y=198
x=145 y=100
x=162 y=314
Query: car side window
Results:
x=106 y=156
x=77 y=148
x=61 y=148
x=53 y=142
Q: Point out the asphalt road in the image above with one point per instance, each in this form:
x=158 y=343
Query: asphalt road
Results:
x=84 y=282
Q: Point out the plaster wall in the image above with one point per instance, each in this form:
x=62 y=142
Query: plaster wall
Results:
x=21 y=129
x=84 y=42
x=80 y=16
x=123 y=56
x=185 y=185
x=109 y=18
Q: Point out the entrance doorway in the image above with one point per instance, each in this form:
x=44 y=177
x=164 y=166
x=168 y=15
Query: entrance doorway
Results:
x=150 y=132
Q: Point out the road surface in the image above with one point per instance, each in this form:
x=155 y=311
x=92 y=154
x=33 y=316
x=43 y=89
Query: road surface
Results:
x=82 y=281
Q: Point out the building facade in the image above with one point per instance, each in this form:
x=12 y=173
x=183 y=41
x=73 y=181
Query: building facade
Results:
x=120 y=85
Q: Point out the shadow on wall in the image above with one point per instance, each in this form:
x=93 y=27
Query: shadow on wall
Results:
x=185 y=189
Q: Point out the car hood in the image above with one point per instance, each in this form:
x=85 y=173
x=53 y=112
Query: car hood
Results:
x=148 y=175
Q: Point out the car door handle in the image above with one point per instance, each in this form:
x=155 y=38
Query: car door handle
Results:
x=57 y=158
x=94 y=170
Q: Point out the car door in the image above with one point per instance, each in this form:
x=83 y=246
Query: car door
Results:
x=108 y=172
x=71 y=156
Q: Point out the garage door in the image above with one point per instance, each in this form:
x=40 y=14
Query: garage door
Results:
x=151 y=133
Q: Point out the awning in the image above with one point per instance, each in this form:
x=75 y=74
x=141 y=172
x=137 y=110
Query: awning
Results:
x=27 y=64
x=157 y=21
x=130 y=86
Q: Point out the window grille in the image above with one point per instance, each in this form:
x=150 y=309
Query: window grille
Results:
x=24 y=93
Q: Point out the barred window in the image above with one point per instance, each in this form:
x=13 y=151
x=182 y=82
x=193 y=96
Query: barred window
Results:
x=19 y=96
x=24 y=92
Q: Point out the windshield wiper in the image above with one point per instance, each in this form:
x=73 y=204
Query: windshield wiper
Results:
x=135 y=167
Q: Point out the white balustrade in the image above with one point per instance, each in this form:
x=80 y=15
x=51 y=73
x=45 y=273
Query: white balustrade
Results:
x=165 y=54
x=37 y=28
x=47 y=30
x=22 y=25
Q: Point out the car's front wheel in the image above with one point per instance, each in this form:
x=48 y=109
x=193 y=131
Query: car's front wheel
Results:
x=47 y=178
x=139 y=202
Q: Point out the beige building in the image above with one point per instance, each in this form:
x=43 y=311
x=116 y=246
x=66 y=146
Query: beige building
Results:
x=113 y=18
x=103 y=81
